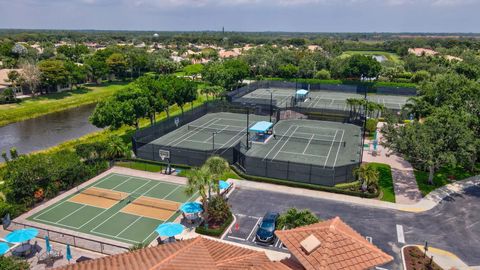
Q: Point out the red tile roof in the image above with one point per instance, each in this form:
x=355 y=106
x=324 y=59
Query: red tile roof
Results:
x=340 y=247
x=198 y=253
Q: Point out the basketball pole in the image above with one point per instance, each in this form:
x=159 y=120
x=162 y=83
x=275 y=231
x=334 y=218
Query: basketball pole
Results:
x=248 y=124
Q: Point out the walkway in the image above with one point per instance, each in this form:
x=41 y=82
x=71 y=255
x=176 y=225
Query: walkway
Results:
x=405 y=185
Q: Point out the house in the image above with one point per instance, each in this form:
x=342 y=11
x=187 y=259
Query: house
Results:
x=422 y=51
x=228 y=54
x=330 y=245
x=4 y=84
x=326 y=245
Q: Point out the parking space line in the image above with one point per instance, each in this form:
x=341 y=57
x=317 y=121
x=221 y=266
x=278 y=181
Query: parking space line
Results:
x=253 y=229
x=400 y=234
x=237 y=238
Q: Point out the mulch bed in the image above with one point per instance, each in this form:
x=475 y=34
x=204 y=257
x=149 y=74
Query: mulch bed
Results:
x=415 y=260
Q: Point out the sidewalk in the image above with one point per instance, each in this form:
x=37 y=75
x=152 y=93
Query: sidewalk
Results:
x=405 y=185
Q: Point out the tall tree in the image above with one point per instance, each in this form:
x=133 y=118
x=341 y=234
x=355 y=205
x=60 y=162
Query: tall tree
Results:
x=53 y=73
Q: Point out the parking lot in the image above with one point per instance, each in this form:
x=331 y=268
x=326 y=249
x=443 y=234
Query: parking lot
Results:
x=244 y=232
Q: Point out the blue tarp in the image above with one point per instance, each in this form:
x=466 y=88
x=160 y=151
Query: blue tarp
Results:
x=302 y=92
x=261 y=127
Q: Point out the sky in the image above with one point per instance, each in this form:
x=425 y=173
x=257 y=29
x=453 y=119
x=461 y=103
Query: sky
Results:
x=245 y=15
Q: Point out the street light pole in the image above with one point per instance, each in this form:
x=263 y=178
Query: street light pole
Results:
x=364 y=124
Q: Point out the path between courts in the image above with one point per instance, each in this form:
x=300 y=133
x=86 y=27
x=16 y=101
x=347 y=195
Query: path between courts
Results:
x=404 y=182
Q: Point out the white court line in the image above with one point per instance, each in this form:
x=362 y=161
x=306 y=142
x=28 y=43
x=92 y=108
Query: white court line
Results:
x=310 y=127
x=400 y=234
x=254 y=228
x=55 y=224
x=209 y=122
x=120 y=184
x=295 y=153
x=116 y=237
x=276 y=143
x=234 y=142
x=310 y=133
x=284 y=143
x=171 y=192
x=68 y=200
x=309 y=141
x=219 y=131
x=195 y=141
x=338 y=150
x=232 y=138
x=196 y=193
x=133 y=192
x=128 y=226
x=330 y=150
x=194 y=132
x=58 y=221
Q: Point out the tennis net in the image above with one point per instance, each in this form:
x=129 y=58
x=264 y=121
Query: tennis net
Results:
x=216 y=130
x=310 y=140
x=157 y=203
x=103 y=193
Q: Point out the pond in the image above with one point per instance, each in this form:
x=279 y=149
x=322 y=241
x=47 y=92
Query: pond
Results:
x=47 y=130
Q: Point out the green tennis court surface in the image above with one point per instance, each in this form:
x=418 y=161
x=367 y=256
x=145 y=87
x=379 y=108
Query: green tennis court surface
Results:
x=212 y=131
x=110 y=222
x=321 y=99
x=328 y=144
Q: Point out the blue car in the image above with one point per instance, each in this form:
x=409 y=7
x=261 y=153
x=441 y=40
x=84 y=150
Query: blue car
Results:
x=266 y=229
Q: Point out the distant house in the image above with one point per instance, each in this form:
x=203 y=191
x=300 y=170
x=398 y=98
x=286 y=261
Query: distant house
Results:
x=4 y=84
x=228 y=54
x=453 y=58
x=422 y=51
x=328 y=245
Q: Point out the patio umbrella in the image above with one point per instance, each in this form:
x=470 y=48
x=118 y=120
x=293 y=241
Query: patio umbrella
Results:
x=22 y=235
x=69 y=253
x=4 y=248
x=223 y=184
x=47 y=244
x=191 y=207
x=169 y=229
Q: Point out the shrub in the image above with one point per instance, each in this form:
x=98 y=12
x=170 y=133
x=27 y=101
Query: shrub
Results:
x=13 y=209
x=218 y=211
x=216 y=232
x=355 y=185
x=301 y=185
x=12 y=263
x=371 y=125
x=294 y=218
x=323 y=74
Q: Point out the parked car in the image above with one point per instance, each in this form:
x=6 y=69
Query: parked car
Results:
x=266 y=228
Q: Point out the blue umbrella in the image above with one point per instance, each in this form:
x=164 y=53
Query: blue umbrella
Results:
x=4 y=248
x=191 y=207
x=69 y=253
x=169 y=229
x=22 y=235
x=223 y=184
x=47 y=243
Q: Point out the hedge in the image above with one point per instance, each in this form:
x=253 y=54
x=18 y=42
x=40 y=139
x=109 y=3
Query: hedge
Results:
x=182 y=166
x=371 y=85
x=302 y=185
x=214 y=232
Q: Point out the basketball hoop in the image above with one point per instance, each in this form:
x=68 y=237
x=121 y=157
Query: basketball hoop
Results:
x=164 y=154
x=176 y=121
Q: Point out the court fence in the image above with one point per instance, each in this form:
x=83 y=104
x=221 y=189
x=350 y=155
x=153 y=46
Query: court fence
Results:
x=72 y=240
x=145 y=149
x=299 y=172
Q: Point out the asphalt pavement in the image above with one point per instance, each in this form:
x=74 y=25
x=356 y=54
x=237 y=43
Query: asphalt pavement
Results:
x=453 y=225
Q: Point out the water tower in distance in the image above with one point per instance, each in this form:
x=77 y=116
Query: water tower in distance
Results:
x=155 y=35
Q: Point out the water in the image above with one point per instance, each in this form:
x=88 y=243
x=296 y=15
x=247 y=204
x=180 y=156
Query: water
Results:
x=47 y=131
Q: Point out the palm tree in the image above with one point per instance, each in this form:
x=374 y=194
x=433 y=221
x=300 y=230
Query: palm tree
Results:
x=217 y=166
x=199 y=180
x=116 y=148
x=367 y=174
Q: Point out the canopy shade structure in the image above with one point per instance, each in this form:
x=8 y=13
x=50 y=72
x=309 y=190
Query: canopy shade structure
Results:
x=169 y=229
x=301 y=92
x=4 y=248
x=223 y=184
x=191 y=207
x=22 y=235
x=261 y=127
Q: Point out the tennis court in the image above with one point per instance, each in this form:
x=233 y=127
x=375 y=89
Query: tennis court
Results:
x=120 y=207
x=311 y=142
x=320 y=99
x=214 y=131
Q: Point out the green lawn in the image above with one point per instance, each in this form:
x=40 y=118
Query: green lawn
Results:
x=441 y=178
x=34 y=107
x=143 y=166
x=390 y=56
x=385 y=182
